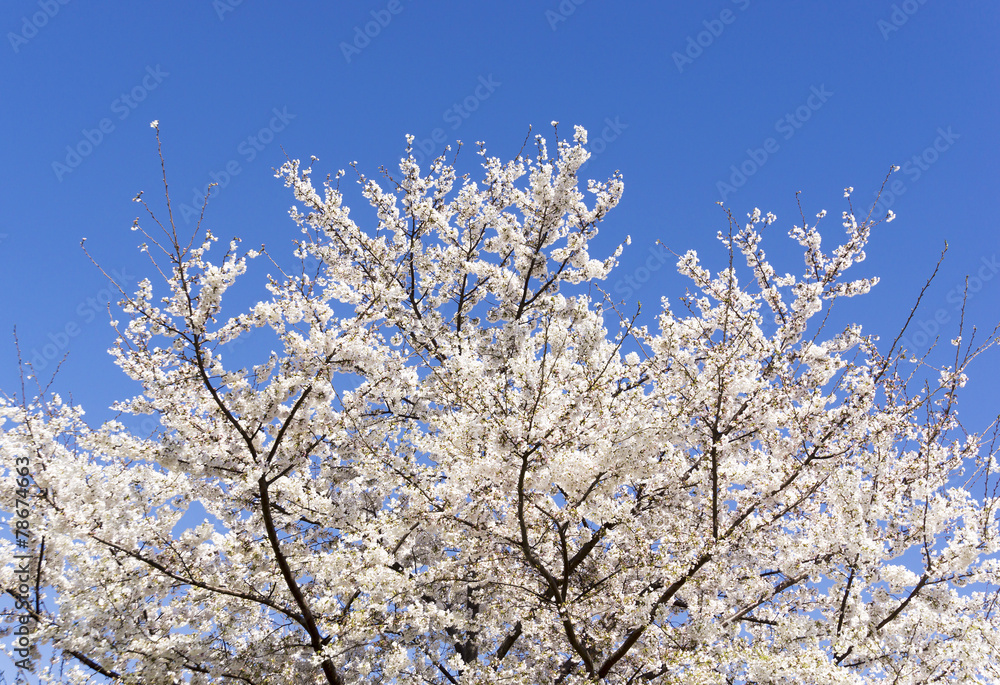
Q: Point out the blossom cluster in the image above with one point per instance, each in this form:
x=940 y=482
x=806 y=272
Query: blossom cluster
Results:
x=458 y=464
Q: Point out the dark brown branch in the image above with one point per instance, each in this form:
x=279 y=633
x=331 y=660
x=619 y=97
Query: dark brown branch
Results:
x=257 y=599
x=509 y=642
x=843 y=602
x=79 y=656
x=916 y=589
x=308 y=622
x=637 y=632
x=286 y=423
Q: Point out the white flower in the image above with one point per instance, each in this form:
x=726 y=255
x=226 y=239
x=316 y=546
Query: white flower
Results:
x=738 y=447
x=154 y=123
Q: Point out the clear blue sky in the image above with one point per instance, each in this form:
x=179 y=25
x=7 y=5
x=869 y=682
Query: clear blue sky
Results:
x=810 y=96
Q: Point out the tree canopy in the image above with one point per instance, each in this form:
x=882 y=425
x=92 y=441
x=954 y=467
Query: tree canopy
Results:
x=465 y=463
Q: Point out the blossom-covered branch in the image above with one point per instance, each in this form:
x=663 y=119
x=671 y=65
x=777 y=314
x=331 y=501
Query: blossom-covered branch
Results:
x=449 y=462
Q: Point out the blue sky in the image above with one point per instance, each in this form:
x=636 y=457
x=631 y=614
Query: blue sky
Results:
x=735 y=100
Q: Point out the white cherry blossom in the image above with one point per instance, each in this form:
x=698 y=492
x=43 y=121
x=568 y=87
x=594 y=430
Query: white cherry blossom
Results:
x=459 y=463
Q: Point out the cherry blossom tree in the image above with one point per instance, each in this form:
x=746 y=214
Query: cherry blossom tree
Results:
x=464 y=463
